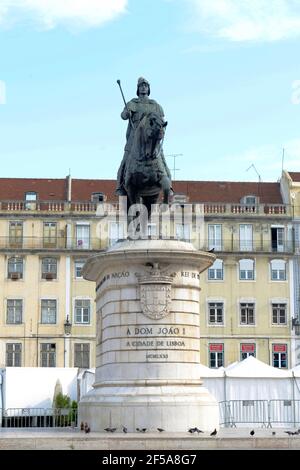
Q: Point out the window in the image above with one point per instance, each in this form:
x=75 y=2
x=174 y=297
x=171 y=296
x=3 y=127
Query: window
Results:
x=13 y=355
x=48 y=354
x=247 y=313
x=246 y=269
x=246 y=237
x=14 y=311
x=215 y=237
x=15 y=268
x=82 y=311
x=78 y=264
x=116 y=232
x=216 y=313
x=50 y=234
x=278 y=270
x=83 y=236
x=15 y=234
x=279 y=356
x=82 y=355
x=249 y=200
x=97 y=197
x=277 y=238
x=215 y=272
x=247 y=349
x=48 y=311
x=278 y=314
x=30 y=198
x=183 y=232
x=49 y=268
x=216 y=355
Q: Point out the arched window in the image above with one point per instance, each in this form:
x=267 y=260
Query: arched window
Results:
x=215 y=272
x=246 y=269
x=278 y=270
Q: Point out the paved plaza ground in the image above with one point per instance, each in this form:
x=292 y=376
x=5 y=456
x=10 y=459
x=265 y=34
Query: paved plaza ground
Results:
x=73 y=439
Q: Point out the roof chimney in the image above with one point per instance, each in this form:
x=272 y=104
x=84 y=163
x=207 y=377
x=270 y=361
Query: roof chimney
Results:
x=69 y=187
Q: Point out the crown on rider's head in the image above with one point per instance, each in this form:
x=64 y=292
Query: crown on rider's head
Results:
x=140 y=81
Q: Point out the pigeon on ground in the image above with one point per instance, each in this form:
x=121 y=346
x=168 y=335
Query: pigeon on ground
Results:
x=192 y=430
x=160 y=430
x=81 y=426
x=198 y=430
x=141 y=429
x=110 y=429
x=252 y=432
x=273 y=433
x=87 y=429
x=124 y=429
x=214 y=433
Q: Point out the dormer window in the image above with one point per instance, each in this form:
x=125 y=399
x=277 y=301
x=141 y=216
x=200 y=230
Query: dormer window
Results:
x=31 y=196
x=98 y=197
x=249 y=200
x=30 y=200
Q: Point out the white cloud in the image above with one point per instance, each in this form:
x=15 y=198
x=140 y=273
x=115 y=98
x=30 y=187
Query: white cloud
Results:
x=247 y=20
x=50 y=13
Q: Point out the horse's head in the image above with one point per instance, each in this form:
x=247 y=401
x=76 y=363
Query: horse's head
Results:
x=153 y=128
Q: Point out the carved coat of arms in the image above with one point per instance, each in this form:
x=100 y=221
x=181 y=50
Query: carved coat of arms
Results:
x=155 y=291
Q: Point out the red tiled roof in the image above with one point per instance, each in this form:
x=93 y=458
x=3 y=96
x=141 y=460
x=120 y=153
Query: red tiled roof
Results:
x=197 y=191
x=295 y=176
x=228 y=191
x=82 y=189
x=47 y=189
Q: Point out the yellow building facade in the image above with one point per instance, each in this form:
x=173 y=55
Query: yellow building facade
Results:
x=49 y=227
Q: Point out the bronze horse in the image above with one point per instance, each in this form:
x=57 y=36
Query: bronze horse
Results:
x=146 y=172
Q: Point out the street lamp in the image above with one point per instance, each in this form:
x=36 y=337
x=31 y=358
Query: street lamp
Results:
x=67 y=326
x=296 y=325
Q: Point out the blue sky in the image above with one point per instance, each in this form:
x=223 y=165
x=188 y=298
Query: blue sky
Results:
x=227 y=73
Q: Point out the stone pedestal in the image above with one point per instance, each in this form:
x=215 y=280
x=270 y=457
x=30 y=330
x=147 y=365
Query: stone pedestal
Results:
x=148 y=339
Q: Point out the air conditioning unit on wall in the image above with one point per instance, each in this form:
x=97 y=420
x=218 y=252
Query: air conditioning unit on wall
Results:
x=15 y=276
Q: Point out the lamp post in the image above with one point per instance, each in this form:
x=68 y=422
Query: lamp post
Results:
x=67 y=333
x=67 y=326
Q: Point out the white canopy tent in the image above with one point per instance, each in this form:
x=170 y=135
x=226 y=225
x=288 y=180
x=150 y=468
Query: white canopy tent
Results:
x=252 y=379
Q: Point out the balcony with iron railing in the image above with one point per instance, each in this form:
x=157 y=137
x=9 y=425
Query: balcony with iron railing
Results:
x=106 y=208
x=51 y=244
x=233 y=245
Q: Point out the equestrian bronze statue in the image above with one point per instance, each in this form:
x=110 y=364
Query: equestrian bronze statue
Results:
x=143 y=173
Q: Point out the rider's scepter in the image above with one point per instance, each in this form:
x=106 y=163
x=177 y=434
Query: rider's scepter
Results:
x=119 y=83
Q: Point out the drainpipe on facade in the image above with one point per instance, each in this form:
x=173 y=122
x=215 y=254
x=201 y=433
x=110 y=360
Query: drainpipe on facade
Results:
x=67 y=312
